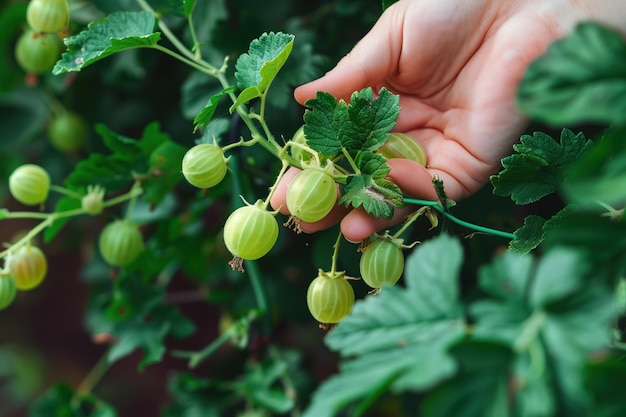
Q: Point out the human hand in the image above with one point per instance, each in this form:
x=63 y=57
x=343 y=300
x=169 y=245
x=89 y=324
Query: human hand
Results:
x=456 y=65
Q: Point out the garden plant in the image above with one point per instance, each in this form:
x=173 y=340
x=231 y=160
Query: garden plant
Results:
x=144 y=271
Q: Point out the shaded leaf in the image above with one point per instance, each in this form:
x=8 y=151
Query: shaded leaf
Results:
x=581 y=78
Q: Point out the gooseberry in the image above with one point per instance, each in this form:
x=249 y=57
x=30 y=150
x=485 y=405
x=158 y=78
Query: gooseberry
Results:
x=120 y=242
x=204 y=165
x=29 y=184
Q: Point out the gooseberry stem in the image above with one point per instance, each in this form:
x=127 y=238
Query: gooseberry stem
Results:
x=333 y=266
x=437 y=206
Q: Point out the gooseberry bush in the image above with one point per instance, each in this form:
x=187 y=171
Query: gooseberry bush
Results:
x=138 y=167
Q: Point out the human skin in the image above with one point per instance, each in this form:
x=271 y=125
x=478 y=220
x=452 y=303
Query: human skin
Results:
x=456 y=65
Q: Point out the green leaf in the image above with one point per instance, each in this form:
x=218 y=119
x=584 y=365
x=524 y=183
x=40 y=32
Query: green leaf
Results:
x=362 y=125
x=601 y=241
x=115 y=33
x=547 y=308
x=481 y=387
x=204 y=117
x=600 y=174
x=256 y=69
x=194 y=397
x=64 y=204
x=326 y=121
x=529 y=236
x=139 y=319
x=371 y=119
x=257 y=385
x=116 y=171
x=62 y=401
x=370 y=189
x=398 y=340
x=581 y=78
x=539 y=166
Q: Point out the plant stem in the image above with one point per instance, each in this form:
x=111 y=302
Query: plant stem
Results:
x=409 y=222
x=273 y=188
x=66 y=192
x=95 y=375
x=333 y=266
x=437 y=206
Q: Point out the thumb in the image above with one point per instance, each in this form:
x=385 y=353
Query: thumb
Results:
x=369 y=62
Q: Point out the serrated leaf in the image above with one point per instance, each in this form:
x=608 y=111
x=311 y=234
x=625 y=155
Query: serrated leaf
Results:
x=399 y=338
x=529 y=236
x=539 y=165
x=372 y=120
x=203 y=118
x=256 y=69
x=600 y=174
x=326 y=120
x=378 y=197
x=581 y=78
x=362 y=125
x=64 y=204
x=115 y=33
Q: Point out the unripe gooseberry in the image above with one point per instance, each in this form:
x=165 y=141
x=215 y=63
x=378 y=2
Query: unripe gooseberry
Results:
x=401 y=145
x=120 y=243
x=48 y=15
x=330 y=297
x=29 y=184
x=37 y=54
x=8 y=291
x=250 y=232
x=28 y=266
x=382 y=263
x=311 y=195
x=204 y=165
x=67 y=132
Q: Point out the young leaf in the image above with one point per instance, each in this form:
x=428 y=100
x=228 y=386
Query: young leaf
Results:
x=371 y=119
x=529 y=236
x=362 y=125
x=256 y=69
x=532 y=234
x=326 y=120
x=115 y=33
x=539 y=165
x=581 y=78
x=399 y=339
x=370 y=189
x=204 y=117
